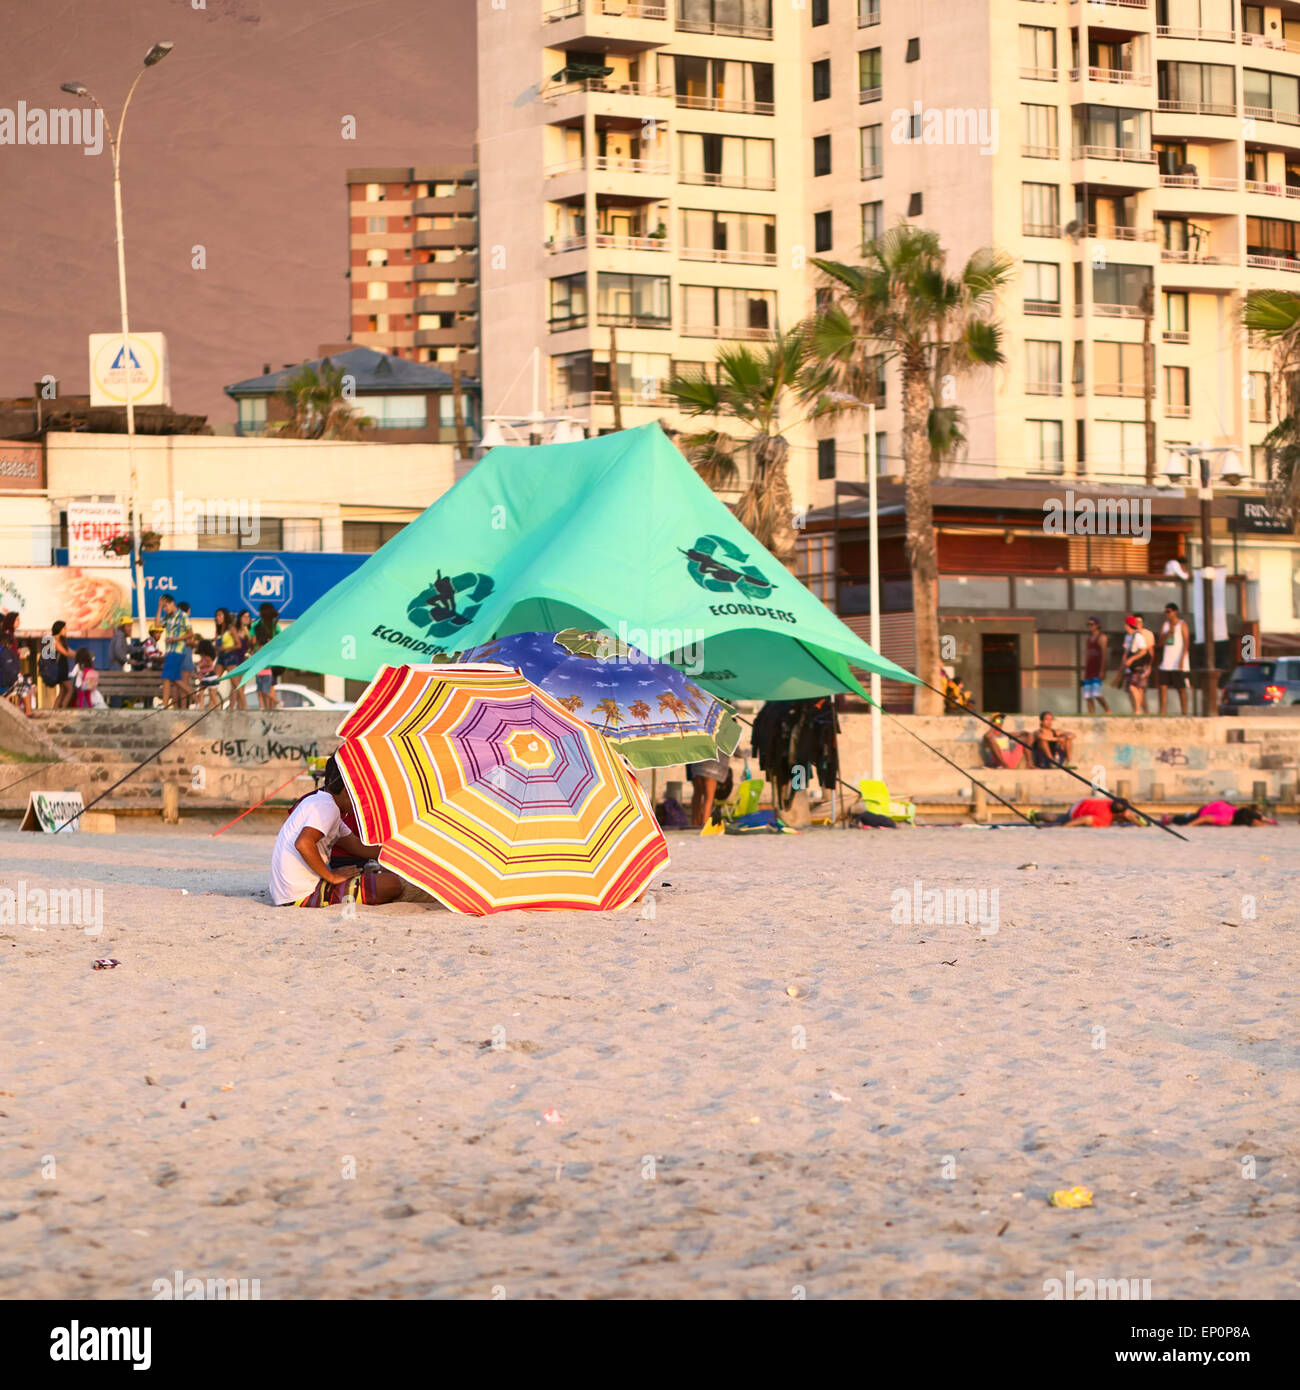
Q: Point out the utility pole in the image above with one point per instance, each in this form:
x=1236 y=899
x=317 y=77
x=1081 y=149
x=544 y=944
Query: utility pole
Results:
x=1211 y=677
x=458 y=409
x=1149 y=380
x=615 y=395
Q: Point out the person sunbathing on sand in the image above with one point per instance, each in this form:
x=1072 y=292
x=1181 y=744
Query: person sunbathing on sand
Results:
x=301 y=875
x=1220 y=813
x=1097 y=811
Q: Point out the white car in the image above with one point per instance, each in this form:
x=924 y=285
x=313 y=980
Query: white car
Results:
x=303 y=697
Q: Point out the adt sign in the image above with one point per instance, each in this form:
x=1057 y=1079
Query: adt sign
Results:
x=266 y=580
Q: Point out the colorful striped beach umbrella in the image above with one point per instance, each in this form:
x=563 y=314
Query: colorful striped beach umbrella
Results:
x=655 y=714
x=482 y=789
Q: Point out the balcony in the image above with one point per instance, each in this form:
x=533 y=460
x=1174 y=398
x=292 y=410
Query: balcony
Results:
x=1178 y=412
x=735 y=105
x=557 y=246
x=722 y=255
x=606 y=87
x=1169 y=31
x=1119 y=77
x=1256 y=262
x=463 y=334
x=463 y=200
x=1043 y=388
x=763 y=183
x=873 y=171
x=1272 y=113
x=1040 y=74
x=1040 y=229
x=1040 y=151
x=1171 y=257
x=1116 y=4
x=1176 y=336
x=866 y=94
x=566 y=323
x=1114 y=152
x=607 y=318
x=726 y=332
x=1279 y=45
x=607 y=163
x=1126 y=390
x=723 y=31
x=1096 y=232
x=462 y=268
x=1043 y=308
x=612 y=241
x=1197 y=108
x=464 y=233
x=1273 y=190
x=463 y=301
x=1196 y=181
x=1112 y=311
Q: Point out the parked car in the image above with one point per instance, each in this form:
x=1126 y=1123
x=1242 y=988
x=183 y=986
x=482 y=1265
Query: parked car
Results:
x=303 y=697
x=1272 y=682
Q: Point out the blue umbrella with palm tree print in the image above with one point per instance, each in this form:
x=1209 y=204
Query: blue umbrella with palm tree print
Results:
x=653 y=713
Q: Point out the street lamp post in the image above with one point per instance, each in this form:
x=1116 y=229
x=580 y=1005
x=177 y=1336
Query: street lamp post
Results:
x=78 y=89
x=1230 y=472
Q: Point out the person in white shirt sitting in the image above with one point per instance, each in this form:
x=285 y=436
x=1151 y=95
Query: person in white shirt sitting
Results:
x=300 y=862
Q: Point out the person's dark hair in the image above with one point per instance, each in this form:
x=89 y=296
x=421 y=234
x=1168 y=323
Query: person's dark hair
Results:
x=183 y=606
x=1118 y=806
x=264 y=628
x=1171 y=608
x=85 y=657
x=1247 y=815
x=167 y=598
x=332 y=780
x=221 y=620
x=205 y=648
x=1095 y=620
x=57 y=628
x=1043 y=713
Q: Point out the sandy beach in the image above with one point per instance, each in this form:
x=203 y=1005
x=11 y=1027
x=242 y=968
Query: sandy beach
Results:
x=764 y=1082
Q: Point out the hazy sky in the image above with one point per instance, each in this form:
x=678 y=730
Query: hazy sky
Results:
x=233 y=143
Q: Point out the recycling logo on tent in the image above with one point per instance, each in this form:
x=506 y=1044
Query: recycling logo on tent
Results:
x=435 y=609
x=718 y=565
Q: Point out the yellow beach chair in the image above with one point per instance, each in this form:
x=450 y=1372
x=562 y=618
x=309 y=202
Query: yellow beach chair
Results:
x=877 y=798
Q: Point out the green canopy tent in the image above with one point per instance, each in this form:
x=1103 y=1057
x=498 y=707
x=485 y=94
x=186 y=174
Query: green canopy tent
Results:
x=615 y=533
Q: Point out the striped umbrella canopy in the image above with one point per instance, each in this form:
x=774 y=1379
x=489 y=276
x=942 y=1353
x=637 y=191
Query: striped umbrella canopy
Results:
x=482 y=789
x=655 y=714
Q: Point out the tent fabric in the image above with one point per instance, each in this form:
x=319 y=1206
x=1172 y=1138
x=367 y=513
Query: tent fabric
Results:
x=616 y=533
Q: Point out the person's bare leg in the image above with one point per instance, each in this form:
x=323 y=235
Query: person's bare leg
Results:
x=710 y=787
x=1183 y=694
x=1164 y=694
x=1101 y=700
x=388 y=886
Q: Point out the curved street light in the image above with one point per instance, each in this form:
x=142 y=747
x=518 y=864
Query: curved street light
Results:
x=79 y=89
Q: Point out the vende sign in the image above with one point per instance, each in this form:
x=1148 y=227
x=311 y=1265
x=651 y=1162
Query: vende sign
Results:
x=90 y=524
x=21 y=466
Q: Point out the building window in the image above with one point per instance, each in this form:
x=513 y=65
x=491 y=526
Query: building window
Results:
x=873 y=221
x=1178 y=401
x=869 y=78
x=914 y=50
x=1041 y=205
x=1271 y=238
x=720 y=84
x=713 y=312
x=409 y=412
x=872 y=152
x=815 y=565
x=1266 y=93
x=725 y=161
x=1176 y=317
x=821 y=155
x=1118 y=448
x=1042 y=368
x=821 y=79
x=1042 y=281
x=1120 y=290
x=1261 y=404
x=822 y=237
x=1038 y=132
x=744 y=237
x=1045 y=446
x=1117 y=369
x=633 y=301
x=365 y=537
x=821 y=13
x=743 y=19
x=882 y=452
x=825 y=459
x=868 y=13
x=376 y=226
x=1206 y=89
x=1113 y=132
x=1038 y=53
x=915 y=205
x=252 y=414
x=568 y=303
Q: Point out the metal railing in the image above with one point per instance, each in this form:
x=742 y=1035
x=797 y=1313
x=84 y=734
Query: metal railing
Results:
x=1195 y=258
x=622 y=164
x=1273 y=190
x=1198 y=108
x=866 y=94
x=1169 y=31
x=1031 y=74
x=1123 y=77
x=1264 y=41
x=609 y=87
x=1257 y=262
x=1114 y=152
x=1043 y=307
x=725 y=31
x=1196 y=181
x=1117 y=233
x=714 y=330
x=1043 y=388
x=1112 y=311
x=618 y=242
x=739 y=107
x=608 y=319
x=713 y=253
x=1272 y=113
x=1040 y=151
x=1176 y=335
x=765 y=184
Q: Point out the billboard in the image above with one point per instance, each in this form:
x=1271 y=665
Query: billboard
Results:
x=90 y=601
x=290 y=580
x=90 y=524
x=149 y=379
x=21 y=466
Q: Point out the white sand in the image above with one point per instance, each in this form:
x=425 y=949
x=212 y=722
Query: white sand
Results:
x=669 y=1036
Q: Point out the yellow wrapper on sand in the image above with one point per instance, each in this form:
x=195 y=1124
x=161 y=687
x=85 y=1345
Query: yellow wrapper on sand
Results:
x=1071 y=1197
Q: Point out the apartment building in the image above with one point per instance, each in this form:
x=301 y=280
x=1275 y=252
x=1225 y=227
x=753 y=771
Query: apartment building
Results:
x=641 y=169
x=413 y=263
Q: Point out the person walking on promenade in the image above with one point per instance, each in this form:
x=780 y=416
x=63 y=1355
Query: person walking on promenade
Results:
x=1094 y=668
x=1175 y=656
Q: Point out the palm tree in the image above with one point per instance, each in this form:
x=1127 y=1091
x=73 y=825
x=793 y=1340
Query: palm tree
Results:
x=321 y=407
x=1274 y=315
x=610 y=709
x=753 y=387
x=903 y=304
x=639 y=711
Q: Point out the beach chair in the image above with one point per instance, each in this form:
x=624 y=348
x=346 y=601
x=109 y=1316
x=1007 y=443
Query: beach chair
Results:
x=745 y=801
x=877 y=798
